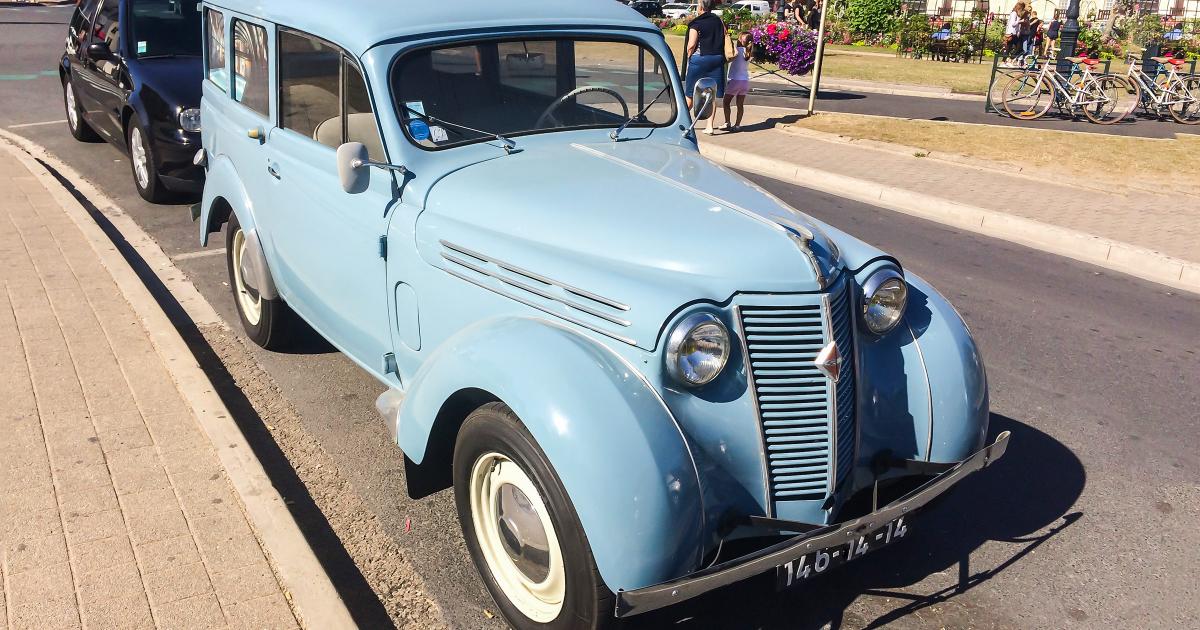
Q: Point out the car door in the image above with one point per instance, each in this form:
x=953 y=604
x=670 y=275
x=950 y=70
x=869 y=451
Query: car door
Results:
x=111 y=75
x=329 y=244
x=93 y=86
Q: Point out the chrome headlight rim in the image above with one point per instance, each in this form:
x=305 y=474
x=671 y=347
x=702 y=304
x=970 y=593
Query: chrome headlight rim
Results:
x=189 y=119
x=871 y=291
x=680 y=334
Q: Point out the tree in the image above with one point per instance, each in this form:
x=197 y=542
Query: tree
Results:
x=872 y=17
x=1119 y=8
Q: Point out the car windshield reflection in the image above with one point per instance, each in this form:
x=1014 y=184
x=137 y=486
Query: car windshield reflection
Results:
x=449 y=95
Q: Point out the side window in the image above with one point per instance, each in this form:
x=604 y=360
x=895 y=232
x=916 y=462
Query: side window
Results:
x=108 y=27
x=360 y=116
x=214 y=46
x=308 y=87
x=81 y=21
x=251 y=73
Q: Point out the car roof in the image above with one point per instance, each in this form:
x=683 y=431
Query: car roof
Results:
x=359 y=25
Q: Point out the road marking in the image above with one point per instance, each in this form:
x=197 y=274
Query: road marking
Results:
x=202 y=253
x=28 y=77
x=38 y=124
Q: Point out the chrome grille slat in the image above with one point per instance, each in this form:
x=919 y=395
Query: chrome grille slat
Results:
x=808 y=449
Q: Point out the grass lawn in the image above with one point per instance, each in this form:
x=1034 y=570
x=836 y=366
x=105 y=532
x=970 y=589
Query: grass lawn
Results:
x=966 y=78
x=1064 y=153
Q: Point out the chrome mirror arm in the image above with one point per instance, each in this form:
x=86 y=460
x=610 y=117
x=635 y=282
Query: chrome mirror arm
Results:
x=707 y=97
x=383 y=165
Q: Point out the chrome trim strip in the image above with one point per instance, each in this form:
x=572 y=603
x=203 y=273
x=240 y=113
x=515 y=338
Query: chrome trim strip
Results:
x=536 y=291
x=758 y=419
x=831 y=385
x=928 y=389
x=541 y=308
x=536 y=276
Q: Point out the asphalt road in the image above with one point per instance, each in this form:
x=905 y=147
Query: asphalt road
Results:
x=1088 y=522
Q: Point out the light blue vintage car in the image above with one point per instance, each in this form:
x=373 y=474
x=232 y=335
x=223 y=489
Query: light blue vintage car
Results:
x=622 y=357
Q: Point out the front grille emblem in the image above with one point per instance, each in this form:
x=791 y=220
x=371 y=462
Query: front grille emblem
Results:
x=829 y=361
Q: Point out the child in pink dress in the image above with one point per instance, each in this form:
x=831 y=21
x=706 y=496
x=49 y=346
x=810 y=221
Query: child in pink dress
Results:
x=738 y=84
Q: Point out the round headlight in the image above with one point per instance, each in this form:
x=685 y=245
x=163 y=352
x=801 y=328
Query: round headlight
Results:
x=189 y=120
x=885 y=295
x=697 y=349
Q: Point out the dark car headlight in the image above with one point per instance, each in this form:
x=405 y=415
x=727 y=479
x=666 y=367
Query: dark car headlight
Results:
x=885 y=295
x=189 y=120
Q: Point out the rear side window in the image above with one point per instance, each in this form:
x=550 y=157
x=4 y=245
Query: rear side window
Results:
x=108 y=26
x=309 y=75
x=214 y=29
x=251 y=77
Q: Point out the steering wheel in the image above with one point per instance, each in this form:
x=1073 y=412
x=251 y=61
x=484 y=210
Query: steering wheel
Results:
x=549 y=113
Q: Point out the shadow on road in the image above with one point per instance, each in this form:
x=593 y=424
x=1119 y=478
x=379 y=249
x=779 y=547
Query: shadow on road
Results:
x=1024 y=499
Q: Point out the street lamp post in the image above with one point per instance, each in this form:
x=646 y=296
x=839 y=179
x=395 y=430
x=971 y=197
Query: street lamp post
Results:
x=1068 y=38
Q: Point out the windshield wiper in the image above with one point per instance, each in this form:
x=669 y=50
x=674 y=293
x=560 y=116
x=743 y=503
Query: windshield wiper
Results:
x=616 y=133
x=508 y=145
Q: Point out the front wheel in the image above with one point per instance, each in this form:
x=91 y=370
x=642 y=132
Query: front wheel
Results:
x=141 y=159
x=521 y=528
x=263 y=320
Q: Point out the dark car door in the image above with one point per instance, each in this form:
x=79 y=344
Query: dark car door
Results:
x=79 y=34
x=102 y=85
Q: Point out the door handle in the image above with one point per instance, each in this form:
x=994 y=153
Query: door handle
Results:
x=273 y=170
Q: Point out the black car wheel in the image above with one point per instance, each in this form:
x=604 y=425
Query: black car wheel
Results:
x=79 y=127
x=141 y=159
x=522 y=530
x=265 y=321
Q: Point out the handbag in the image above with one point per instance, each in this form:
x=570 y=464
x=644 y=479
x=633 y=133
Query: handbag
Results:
x=730 y=49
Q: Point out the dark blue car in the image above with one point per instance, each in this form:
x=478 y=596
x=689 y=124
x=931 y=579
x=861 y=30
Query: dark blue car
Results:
x=131 y=74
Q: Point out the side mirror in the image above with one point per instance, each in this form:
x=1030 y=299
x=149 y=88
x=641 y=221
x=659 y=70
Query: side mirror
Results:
x=353 y=169
x=99 y=50
x=704 y=99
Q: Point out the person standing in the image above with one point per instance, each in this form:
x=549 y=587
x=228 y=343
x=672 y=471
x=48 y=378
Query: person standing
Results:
x=781 y=9
x=739 y=82
x=705 y=54
x=1051 y=40
x=1035 y=34
x=1012 y=33
x=814 y=15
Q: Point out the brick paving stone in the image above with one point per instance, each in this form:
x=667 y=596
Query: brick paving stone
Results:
x=114 y=509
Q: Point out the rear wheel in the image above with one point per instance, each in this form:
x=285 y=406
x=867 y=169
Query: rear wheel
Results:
x=521 y=528
x=1186 y=106
x=265 y=321
x=1028 y=98
x=80 y=129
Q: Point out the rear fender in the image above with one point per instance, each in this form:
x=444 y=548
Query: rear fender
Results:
x=224 y=194
x=612 y=441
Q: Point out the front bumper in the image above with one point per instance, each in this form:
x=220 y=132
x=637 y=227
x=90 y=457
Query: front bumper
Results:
x=650 y=598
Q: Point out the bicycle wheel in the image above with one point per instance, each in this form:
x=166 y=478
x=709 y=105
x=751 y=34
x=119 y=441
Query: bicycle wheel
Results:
x=1025 y=97
x=1107 y=99
x=1185 y=97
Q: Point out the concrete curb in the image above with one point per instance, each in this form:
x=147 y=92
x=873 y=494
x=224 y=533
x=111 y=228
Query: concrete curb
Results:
x=312 y=595
x=1109 y=254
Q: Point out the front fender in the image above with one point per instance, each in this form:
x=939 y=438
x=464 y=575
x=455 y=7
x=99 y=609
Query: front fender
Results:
x=958 y=389
x=224 y=194
x=619 y=453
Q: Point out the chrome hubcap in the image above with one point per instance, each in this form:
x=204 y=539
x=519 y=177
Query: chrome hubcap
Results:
x=517 y=538
x=250 y=302
x=72 y=113
x=138 y=153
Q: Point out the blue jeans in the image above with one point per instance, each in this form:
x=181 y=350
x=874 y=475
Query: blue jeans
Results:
x=702 y=66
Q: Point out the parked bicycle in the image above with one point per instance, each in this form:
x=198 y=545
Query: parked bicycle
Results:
x=1104 y=98
x=1168 y=91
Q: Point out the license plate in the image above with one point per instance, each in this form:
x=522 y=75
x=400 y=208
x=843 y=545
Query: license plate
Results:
x=817 y=562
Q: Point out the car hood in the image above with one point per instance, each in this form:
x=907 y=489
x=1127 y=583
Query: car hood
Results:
x=619 y=236
x=172 y=81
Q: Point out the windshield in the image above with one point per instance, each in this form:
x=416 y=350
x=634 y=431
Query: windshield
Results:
x=165 y=28
x=467 y=93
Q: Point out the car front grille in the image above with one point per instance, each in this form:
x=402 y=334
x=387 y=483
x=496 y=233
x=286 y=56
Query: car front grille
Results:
x=808 y=421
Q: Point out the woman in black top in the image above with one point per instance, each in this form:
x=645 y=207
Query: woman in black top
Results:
x=705 y=53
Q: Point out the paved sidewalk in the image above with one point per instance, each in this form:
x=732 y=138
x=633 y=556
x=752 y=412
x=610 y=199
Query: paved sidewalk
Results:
x=1161 y=223
x=114 y=508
